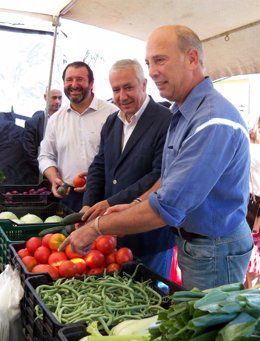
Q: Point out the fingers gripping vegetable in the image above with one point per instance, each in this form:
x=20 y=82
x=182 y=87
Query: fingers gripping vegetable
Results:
x=62 y=190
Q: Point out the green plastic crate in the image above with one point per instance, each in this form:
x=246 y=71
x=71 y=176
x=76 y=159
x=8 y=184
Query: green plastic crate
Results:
x=10 y=232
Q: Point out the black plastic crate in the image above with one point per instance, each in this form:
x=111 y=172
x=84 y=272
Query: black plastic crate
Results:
x=11 y=232
x=14 y=195
x=50 y=326
x=17 y=263
x=72 y=333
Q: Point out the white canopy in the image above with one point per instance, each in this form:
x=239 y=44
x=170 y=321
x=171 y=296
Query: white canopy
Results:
x=229 y=29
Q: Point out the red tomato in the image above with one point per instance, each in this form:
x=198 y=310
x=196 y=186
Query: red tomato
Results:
x=111 y=257
x=23 y=252
x=124 y=255
x=56 y=258
x=42 y=254
x=80 y=266
x=55 y=241
x=52 y=271
x=113 y=267
x=105 y=244
x=93 y=245
x=70 y=253
x=67 y=269
x=96 y=271
x=94 y=259
x=29 y=262
x=79 y=181
x=46 y=239
x=32 y=244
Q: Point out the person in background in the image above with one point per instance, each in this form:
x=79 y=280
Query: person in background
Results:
x=204 y=185
x=129 y=161
x=73 y=134
x=34 y=130
x=254 y=134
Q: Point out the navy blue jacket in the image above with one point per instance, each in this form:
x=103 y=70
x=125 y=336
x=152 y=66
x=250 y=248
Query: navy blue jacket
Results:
x=121 y=177
x=33 y=136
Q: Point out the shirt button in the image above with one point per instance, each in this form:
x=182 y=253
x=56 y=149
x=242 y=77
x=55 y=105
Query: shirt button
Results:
x=114 y=182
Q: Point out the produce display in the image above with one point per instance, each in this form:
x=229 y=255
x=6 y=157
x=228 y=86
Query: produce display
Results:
x=226 y=313
x=30 y=218
x=42 y=255
x=101 y=302
x=20 y=195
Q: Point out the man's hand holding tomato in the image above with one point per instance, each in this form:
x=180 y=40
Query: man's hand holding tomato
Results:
x=80 y=182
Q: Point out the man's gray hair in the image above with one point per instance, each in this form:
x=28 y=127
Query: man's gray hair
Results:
x=129 y=63
x=188 y=39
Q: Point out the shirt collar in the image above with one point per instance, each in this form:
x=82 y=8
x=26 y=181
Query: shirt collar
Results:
x=192 y=102
x=137 y=115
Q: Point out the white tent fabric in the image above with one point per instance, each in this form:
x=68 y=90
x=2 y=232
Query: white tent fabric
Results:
x=230 y=30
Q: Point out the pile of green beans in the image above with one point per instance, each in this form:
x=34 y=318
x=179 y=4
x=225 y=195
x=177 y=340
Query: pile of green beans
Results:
x=109 y=300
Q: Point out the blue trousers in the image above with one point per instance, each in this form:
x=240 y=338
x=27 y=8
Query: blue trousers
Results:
x=207 y=263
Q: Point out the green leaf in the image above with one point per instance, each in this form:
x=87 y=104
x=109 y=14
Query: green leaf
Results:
x=211 y=320
x=211 y=301
x=242 y=325
x=208 y=336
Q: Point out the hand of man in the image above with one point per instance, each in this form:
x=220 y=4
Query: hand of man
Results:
x=81 y=239
x=95 y=210
x=56 y=183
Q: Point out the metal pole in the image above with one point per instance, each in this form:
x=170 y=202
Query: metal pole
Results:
x=55 y=23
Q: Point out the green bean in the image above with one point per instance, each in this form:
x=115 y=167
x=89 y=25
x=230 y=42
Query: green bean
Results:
x=108 y=299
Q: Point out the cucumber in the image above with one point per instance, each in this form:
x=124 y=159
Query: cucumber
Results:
x=72 y=218
x=62 y=190
x=66 y=230
x=54 y=229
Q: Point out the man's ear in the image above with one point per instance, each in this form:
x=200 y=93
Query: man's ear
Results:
x=193 y=58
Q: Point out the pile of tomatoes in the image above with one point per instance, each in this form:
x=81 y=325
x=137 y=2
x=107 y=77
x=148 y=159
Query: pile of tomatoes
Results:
x=42 y=255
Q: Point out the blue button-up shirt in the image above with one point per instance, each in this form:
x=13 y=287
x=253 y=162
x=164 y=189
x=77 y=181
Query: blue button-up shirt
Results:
x=205 y=167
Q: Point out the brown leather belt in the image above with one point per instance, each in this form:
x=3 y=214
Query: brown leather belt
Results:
x=186 y=235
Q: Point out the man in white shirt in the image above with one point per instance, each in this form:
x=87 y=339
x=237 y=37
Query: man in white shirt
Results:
x=73 y=134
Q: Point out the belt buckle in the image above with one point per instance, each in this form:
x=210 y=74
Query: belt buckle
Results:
x=184 y=236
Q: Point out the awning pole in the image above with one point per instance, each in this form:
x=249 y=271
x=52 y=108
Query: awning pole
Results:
x=55 y=23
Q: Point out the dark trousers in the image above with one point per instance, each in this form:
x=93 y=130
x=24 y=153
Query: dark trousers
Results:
x=73 y=200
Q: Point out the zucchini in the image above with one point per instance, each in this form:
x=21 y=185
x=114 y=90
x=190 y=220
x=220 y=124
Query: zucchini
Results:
x=67 y=221
x=62 y=190
x=54 y=229
x=66 y=230
x=72 y=218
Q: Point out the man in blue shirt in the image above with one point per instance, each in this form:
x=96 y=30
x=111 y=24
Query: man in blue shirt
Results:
x=204 y=187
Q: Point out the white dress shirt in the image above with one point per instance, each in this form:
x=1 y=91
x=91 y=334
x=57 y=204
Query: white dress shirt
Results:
x=72 y=139
x=128 y=127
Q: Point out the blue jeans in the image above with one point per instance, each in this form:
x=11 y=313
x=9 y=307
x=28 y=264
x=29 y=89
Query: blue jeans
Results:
x=207 y=263
x=159 y=262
